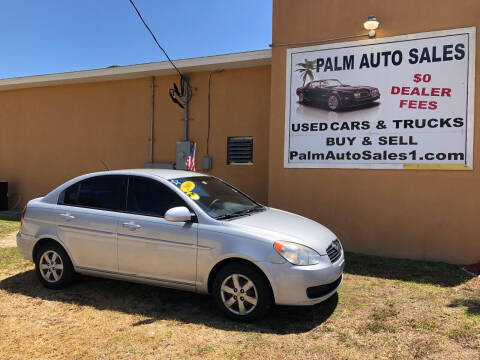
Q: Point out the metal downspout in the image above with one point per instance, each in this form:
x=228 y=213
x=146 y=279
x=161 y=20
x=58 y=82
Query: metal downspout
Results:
x=152 y=119
x=185 y=132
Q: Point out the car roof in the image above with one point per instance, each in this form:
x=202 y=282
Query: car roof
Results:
x=166 y=174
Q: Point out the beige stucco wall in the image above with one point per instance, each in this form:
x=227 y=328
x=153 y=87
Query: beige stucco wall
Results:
x=403 y=213
x=51 y=134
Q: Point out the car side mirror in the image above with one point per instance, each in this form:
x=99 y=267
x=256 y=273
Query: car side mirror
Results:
x=178 y=214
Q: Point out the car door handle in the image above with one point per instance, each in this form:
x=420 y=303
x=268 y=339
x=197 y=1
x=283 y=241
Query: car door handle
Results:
x=131 y=225
x=67 y=216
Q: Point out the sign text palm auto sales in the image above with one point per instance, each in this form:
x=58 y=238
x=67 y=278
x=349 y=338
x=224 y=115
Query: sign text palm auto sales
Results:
x=396 y=102
x=448 y=52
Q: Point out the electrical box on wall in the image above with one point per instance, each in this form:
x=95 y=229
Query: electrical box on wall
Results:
x=206 y=163
x=183 y=151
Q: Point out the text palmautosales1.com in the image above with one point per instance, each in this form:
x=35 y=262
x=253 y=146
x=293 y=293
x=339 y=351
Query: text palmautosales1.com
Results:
x=368 y=155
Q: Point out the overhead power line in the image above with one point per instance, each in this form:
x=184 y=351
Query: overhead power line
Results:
x=154 y=38
x=185 y=92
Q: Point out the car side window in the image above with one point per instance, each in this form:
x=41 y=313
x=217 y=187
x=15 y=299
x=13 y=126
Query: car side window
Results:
x=149 y=197
x=105 y=192
x=69 y=195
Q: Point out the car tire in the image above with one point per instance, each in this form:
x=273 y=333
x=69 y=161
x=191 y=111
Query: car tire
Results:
x=301 y=98
x=333 y=102
x=53 y=266
x=242 y=292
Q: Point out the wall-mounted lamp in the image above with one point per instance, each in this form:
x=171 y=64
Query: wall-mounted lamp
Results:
x=371 y=25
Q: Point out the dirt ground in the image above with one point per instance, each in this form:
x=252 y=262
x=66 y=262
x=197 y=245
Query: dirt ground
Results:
x=9 y=240
x=386 y=309
x=8 y=230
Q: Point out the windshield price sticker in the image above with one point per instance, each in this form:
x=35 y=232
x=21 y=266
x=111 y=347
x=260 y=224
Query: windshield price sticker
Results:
x=391 y=103
x=187 y=186
x=194 y=196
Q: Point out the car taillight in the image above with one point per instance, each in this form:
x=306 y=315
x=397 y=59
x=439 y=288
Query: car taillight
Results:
x=23 y=214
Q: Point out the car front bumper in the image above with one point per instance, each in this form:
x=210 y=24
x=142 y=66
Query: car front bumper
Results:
x=290 y=282
x=358 y=102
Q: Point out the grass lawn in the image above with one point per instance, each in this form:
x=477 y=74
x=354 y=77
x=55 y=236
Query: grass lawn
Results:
x=386 y=309
x=8 y=226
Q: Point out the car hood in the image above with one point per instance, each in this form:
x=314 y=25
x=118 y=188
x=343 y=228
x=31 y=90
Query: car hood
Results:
x=277 y=224
x=352 y=88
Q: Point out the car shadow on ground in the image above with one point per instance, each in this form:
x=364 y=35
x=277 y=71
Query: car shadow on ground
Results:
x=421 y=272
x=471 y=305
x=157 y=303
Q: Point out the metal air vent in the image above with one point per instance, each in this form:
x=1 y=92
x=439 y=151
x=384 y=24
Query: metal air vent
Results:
x=239 y=150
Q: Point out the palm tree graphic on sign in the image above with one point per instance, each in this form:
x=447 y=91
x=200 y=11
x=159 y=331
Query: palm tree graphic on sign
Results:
x=306 y=70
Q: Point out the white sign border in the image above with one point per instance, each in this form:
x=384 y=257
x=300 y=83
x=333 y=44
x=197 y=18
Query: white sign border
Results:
x=470 y=31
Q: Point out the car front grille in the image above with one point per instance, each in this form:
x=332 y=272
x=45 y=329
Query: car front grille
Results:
x=364 y=93
x=334 y=250
x=322 y=290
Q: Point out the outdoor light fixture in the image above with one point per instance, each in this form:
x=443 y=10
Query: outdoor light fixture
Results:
x=371 y=25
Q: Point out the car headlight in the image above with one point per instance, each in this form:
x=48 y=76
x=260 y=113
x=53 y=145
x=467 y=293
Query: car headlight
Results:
x=357 y=94
x=296 y=254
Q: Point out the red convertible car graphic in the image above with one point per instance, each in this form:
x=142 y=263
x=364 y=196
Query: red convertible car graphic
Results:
x=336 y=95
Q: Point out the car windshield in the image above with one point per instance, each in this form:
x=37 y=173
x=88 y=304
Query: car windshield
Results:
x=331 y=82
x=218 y=199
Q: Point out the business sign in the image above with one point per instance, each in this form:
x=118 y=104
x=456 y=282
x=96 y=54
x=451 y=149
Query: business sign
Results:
x=389 y=103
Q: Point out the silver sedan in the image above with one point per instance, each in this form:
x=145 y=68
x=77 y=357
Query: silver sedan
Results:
x=182 y=230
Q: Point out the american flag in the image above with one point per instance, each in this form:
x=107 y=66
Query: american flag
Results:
x=190 y=163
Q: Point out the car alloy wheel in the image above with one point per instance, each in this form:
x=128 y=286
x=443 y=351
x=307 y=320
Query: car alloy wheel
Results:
x=239 y=294
x=333 y=102
x=242 y=292
x=51 y=266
